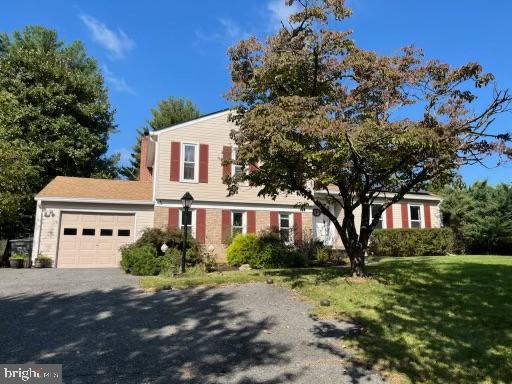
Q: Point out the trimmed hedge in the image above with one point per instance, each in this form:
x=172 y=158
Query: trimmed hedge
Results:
x=411 y=242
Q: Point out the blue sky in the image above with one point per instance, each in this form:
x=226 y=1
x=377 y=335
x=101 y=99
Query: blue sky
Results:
x=154 y=49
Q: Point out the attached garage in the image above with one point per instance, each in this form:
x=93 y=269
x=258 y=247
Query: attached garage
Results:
x=92 y=240
x=82 y=223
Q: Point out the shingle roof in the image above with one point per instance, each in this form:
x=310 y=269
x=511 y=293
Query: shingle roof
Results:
x=101 y=189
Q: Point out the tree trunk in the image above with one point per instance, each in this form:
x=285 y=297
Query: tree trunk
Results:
x=356 y=256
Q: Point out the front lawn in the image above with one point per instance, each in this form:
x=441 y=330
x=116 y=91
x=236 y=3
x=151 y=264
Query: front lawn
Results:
x=425 y=319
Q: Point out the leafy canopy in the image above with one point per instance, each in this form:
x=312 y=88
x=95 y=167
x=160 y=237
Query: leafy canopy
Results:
x=54 y=113
x=480 y=216
x=316 y=112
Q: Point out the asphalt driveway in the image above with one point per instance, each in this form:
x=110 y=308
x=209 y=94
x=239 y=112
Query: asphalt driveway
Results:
x=104 y=329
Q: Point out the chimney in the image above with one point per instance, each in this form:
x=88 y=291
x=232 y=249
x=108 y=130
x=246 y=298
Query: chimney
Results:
x=147 y=152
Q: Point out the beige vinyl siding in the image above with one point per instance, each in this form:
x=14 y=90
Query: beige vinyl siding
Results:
x=435 y=214
x=214 y=132
x=49 y=226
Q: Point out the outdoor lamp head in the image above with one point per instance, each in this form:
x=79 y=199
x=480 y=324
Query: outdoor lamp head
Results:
x=186 y=200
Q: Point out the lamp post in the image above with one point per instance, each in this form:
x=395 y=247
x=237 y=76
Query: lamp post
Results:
x=186 y=202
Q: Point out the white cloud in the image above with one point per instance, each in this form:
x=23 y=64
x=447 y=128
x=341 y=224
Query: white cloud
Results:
x=116 y=43
x=231 y=29
x=117 y=83
x=280 y=12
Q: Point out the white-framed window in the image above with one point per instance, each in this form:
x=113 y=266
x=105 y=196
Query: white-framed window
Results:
x=189 y=221
x=189 y=162
x=415 y=216
x=382 y=221
x=286 y=226
x=238 y=223
x=236 y=169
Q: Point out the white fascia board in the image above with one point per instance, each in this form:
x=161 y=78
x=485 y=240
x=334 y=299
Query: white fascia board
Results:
x=234 y=206
x=386 y=196
x=190 y=122
x=98 y=201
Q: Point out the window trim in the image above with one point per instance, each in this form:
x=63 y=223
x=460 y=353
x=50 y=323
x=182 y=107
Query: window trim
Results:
x=233 y=164
x=382 y=216
x=244 y=221
x=291 y=226
x=196 y=162
x=422 y=215
x=193 y=221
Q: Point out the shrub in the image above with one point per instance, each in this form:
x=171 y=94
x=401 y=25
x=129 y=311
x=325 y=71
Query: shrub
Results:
x=411 y=242
x=18 y=256
x=242 y=249
x=141 y=260
x=46 y=261
x=309 y=247
x=173 y=238
x=263 y=251
x=171 y=261
x=322 y=256
x=272 y=252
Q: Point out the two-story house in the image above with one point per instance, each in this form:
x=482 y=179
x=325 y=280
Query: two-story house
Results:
x=82 y=222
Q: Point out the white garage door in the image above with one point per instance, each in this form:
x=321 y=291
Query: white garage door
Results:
x=91 y=240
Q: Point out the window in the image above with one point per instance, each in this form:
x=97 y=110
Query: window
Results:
x=70 y=231
x=237 y=223
x=373 y=211
x=123 y=232
x=237 y=168
x=415 y=216
x=285 y=227
x=189 y=162
x=88 y=232
x=189 y=221
x=106 y=232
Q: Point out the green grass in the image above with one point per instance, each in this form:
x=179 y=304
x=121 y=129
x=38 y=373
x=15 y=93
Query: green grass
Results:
x=425 y=319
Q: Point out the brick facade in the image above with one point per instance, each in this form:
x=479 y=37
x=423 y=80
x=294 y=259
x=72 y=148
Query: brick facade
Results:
x=262 y=220
x=145 y=173
x=161 y=217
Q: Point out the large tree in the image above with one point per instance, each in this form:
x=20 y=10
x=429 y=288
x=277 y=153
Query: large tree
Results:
x=315 y=112
x=170 y=111
x=54 y=111
x=480 y=216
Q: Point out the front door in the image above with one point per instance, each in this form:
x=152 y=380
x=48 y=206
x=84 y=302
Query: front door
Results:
x=324 y=229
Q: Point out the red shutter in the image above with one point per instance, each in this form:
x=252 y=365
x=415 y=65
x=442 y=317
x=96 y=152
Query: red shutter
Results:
x=203 y=163
x=274 y=220
x=226 y=225
x=428 y=220
x=251 y=222
x=389 y=217
x=252 y=168
x=175 y=161
x=297 y=227
x=201 y=225
x=405 y=215
x=226 y=155
x=173 y=218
